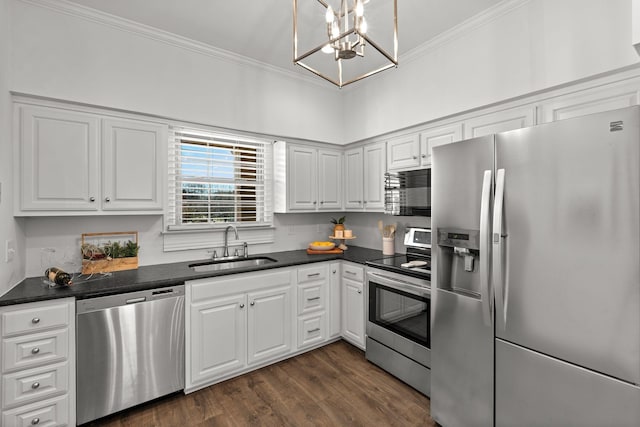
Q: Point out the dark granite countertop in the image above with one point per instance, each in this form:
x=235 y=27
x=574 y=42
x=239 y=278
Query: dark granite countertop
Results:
x=162 y=275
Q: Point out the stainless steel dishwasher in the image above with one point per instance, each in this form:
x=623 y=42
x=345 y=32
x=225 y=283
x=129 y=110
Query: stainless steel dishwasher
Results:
x=130 y=349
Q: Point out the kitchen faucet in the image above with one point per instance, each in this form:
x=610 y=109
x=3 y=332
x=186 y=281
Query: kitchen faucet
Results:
x=226 y=239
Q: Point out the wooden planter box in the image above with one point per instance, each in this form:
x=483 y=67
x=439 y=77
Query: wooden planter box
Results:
x=106 y=265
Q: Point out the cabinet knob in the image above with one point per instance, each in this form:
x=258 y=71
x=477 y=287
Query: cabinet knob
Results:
x=359 y=291
x=35 y=320
x=322 y=202
x=241 y=305
x=35 y=421
x=107 y=199
x=423 y=156
x=415 y=157
x=35 y=350
x=92 y=199
x=315 y=202
x=35 y=385
x=334 y=271
x=365 y=202
x=252 y=303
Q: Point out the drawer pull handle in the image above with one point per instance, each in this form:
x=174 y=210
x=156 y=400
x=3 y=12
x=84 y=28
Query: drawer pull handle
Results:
x=313 y=275
x=313 y=299
x=350 y=272
x=35 y=385
x=35 y=350
x=35 y=421
x=35 y=320
x=313 y=330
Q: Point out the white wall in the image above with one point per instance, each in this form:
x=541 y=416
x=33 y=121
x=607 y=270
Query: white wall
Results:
x=69 y=57
x=541 y=44
x=10 y=229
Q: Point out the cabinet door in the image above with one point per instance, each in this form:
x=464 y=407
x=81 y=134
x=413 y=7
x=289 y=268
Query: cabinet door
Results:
x=133 y=159
x=269 y=328
x=375 y=166
x=403 y=152
x=218 y=337
x=334 y=300
x=59 y=167
x=353 y=312
x=437 y=136
x=501 y=121
x=329 y=180
x=302 y=178
x=353 y=179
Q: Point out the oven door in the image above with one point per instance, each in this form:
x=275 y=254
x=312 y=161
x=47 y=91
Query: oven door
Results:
x=400 y=315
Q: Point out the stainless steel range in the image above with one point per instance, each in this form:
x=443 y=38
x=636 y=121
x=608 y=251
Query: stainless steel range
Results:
x=399 y=312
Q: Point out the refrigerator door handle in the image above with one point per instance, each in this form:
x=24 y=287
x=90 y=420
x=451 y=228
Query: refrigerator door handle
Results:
x=498 y=249
x=485 y=249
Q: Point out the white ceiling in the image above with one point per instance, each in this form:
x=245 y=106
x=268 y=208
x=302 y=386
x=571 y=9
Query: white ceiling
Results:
x=262 y=29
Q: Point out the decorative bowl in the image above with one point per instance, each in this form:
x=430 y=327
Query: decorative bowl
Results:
x=322 y=246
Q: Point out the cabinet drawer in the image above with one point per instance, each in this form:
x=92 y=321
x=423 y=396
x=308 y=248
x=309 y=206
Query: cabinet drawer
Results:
x=311 y=297
x=312 y=330
x=32 y=318
x=50 y=413
x=27 y=386
x=309 y=274
x=353 y=272
x=35 y=349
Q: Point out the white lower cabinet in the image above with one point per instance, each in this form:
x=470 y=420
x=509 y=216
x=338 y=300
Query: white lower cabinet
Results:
x=353 y=304
x=313 y=302
x=38 y=363
x=236 y=322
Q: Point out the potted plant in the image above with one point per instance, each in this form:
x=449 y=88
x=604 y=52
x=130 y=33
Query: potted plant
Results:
x=338 y=224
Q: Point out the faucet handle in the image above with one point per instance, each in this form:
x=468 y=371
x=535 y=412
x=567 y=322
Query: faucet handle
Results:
x=245 y=250
x=215 y=254
x=236 y=253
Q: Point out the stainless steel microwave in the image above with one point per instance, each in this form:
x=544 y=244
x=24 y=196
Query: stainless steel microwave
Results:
x=408 y=193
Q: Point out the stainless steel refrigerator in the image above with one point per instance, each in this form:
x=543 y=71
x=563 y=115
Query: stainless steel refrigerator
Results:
x=536 y=280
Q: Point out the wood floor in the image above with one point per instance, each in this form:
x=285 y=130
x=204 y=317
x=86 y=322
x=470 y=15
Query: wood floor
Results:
x=332 y=386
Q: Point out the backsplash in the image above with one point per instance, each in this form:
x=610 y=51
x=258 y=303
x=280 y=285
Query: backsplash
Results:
x=55 y=241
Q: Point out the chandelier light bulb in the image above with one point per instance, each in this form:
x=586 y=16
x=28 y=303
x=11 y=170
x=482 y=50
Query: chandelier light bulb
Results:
x=363 y=26
x=335 y=30
x=327 y=48
x=329 y=16
x=359 y=8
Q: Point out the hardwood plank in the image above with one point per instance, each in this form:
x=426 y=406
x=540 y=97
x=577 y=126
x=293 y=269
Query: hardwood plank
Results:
x=331 y=386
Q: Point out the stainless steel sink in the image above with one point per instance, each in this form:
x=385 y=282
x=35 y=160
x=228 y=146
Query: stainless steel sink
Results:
x=231 y=263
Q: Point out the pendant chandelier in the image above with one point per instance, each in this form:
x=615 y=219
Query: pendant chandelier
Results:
x=336 y=47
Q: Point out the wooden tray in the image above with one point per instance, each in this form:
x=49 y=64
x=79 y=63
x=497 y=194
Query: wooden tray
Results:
x=331 y=251
x=105 y=265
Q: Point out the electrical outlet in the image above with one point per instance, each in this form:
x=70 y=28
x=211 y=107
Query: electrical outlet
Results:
x=292 y=230
x=10 y=250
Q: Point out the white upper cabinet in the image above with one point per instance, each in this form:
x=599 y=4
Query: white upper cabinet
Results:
x=500 y=121
x=437 y=136
x=353 y=179
x=58 y=158
x=364 y=177
x=75 y=162
x=307 y=179
x=403 y=152
x=375 y=166
x=132 y=154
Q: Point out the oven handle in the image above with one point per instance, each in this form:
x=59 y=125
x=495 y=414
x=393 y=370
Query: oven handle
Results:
x=399 y=284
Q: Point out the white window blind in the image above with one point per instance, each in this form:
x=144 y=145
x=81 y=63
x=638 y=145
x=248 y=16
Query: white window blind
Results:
x=218 y=179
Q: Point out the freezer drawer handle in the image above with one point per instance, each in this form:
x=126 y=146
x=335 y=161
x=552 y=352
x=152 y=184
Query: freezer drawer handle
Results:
x=135 y=300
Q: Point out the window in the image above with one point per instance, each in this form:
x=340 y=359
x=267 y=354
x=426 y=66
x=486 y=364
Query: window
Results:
x=217 y=180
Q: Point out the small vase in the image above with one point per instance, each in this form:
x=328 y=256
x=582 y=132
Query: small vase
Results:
x=338 y=227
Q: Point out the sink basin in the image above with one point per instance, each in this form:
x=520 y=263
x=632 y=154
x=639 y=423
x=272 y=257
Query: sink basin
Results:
x=231 y=263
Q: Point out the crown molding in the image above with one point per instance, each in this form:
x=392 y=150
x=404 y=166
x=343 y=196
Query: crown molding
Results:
x=123 y=24
x=481 y=19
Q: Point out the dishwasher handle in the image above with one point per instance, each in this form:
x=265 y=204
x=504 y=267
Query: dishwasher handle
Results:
x=137 y=297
